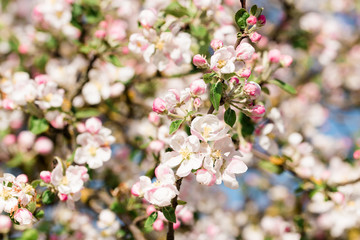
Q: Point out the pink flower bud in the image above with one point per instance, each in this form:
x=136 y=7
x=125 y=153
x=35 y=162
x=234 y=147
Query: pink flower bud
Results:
x=150 y=209
x=8 y=104
x=125 y=50
x=93 y=125
x=148 y=17
x=251 y=20
x=23 y=216
x=286 y=60
x=246 y=148
x=356 y=154
x=255 y=37
x=154 y=118
x=177 y=224
x=252 y=89
x=205 y=177
x=274 y=55
x=42 y=79
x=80 y=127
x=103 y=24
x=234 y=80
x=244 y=51
x=9 y=139
x=156 y=146
x=158 y=225
x=5 y=224
x=45 y=176
x=135 y=189
x=23 y=49
x=246 y=72
x=197 y=102
x=338 y=197
x=159 y=105
x=22 y=178
x=258 y=111
x=198 y=87
x=62 y=197
x=199 y=61
x=216 y=44
x=26 y=140
x=100 y=34
x=43 y=145
x=259 y=69
x=262 y=19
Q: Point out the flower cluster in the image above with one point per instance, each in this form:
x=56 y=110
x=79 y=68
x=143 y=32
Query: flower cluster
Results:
x=95 y=141
x=17 y=198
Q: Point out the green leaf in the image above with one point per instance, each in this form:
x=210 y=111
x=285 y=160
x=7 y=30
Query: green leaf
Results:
x=268 y=166
x=181 y=202
x=30 y=234
x=215 y=94
x=36 y=183
x=114 y=60
x=198 y=32
x=39 y=214
x=265 y=90
x=151 y=219
x=253 y=10
x=47 y=197
x=31 y=207
x=175 y=126
x=240 y=18
x=230 y=117
x=208 y=77
x=284 y=86
x=37 y=125
x=87 y=112
x=169 y=213
x=176 y=9
x=117 y=207
x=247 y=125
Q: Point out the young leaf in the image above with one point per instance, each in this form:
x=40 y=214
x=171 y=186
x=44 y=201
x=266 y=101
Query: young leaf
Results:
x=175 y=126
x=87 y=112
x=247 y=126
x=114 y=60
x=151 y=219
x=208 y=77
x=38 y=125
x=215 y=94
x=169 y=213
x=47 y=197
x=284 y=86
x=230 y=117
x=253 y=10
x=176 y=10
x=181 y=202
x=39 y=214
x=240 y=18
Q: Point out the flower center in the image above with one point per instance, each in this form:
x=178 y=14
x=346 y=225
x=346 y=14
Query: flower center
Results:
x=64 y=181
x=185 y=153
x=92 y=151
x=206 y=131
x=221 y=63
x=159 y=45
x=48 y=97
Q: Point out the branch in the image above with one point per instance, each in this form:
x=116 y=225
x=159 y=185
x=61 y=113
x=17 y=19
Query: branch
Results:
x=171 y=234
x=243 y=4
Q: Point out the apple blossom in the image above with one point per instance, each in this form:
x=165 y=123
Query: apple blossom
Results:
x=216 y=44
x=5 y=224
x=251 y=20
x=45 y=176
x=200 y=61
x=223 y=60
x=274 y=55
x=186 y=154
x=23 y=216
x=208 y=128
x=198 y=87
x=252 y=89
x=244 y=51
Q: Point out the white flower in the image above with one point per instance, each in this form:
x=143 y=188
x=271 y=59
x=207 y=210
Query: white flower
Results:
x=138 y=43
x=235 y=166
x=107 y=223
x=223 y=60
x=49 y=95
x=186 y=154
x=23 y=216
x=72 y=182
x=208 y=128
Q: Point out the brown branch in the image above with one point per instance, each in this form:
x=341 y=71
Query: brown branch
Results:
x=243 y=4
x=171 y=233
